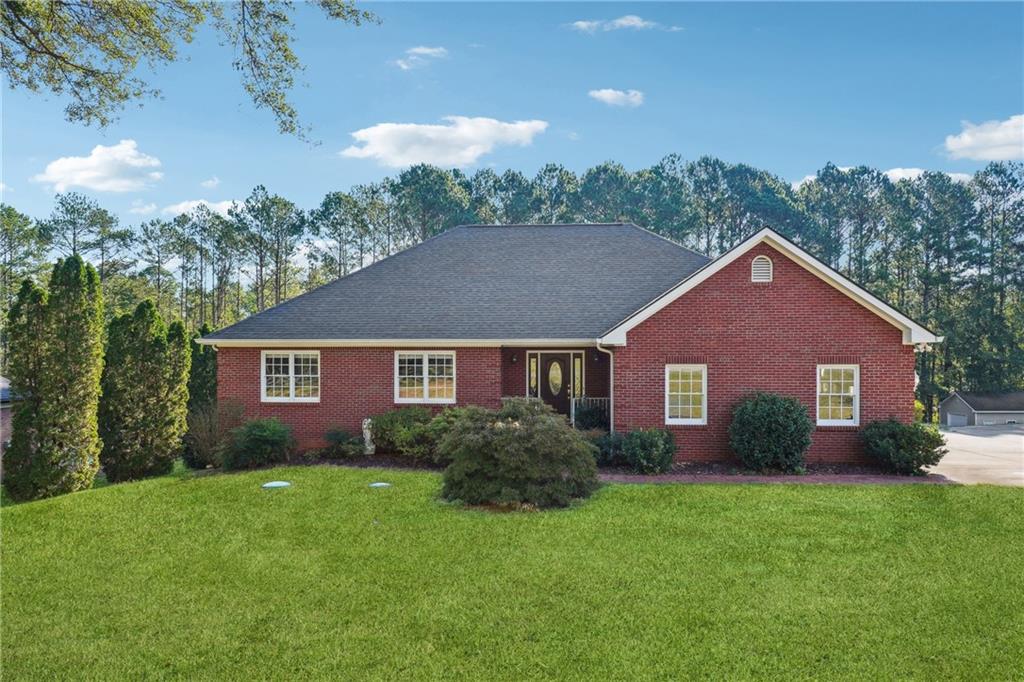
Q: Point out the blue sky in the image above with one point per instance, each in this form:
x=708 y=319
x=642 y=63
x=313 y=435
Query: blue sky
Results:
x=784 y=87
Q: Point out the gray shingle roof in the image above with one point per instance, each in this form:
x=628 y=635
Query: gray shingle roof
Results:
x=487 y=282
x=1012 y=401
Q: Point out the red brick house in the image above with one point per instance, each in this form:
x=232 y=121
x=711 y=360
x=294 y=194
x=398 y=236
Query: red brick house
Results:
x=581 y=314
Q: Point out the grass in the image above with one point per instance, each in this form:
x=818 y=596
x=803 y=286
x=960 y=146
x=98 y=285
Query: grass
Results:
x=213 y=577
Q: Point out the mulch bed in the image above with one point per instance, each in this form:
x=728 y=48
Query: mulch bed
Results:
x=718 y=472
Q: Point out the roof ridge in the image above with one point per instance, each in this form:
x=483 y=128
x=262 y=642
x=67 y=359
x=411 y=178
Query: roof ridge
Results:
x=467 y=225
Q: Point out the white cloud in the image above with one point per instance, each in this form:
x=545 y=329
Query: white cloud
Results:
x=118 y=168
x=988 y=141
x=141 y=208
x=211 y=183
x=618 y=98
x=190 y=205
x=629 y=21
x=459 y=143
x=4 y=187
x=416 y=57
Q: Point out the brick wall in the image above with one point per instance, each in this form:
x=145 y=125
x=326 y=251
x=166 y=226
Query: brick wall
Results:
x=355 y=383
x=767 y=337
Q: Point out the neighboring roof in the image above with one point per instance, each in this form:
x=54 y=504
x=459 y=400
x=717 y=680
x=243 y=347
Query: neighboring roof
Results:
x=485 y=283
x=913 y=332
x=992 y=401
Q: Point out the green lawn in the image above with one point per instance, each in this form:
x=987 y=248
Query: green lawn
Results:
x=215 y=577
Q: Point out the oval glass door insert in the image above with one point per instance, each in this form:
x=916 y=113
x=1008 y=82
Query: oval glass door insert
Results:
x=555 y=377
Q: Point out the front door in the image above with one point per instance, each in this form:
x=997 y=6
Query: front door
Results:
x=556 y=380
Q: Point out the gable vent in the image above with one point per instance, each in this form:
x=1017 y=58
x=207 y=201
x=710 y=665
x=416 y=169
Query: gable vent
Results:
x=761 y=269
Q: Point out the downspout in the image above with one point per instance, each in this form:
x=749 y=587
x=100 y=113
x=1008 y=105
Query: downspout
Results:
x=611 y=385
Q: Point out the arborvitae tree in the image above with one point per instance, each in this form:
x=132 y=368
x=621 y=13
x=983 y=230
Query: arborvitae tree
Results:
x=202 y=380
x=25 y=471
x=56 y=361
x=145 y=393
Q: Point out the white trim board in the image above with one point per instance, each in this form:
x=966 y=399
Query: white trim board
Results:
x=913 y=333
x=395 y=343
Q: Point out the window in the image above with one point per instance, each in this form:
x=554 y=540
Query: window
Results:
x=686 y=396
x=424 y=377
x=761 y=269
x=290 y=376
x=838 y=395
x=532 y=386
x=577 y=375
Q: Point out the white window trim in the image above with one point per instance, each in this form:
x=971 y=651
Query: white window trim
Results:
x=424 y=400
x=291 y=376
x=856 y=399
x=688 y=421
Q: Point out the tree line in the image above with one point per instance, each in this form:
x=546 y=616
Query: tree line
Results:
x=948 y=253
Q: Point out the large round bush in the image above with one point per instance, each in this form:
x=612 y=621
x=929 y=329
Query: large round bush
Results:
x=522 y=454
x=771 y=431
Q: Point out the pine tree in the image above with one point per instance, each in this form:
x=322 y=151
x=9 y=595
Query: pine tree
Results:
x=56 y=361
x=145 y=393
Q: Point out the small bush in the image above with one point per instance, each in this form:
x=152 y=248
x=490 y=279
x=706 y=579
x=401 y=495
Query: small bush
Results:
x=342 y=445
x=209 y=430
x=608 y=447
x=386 y=428
x=523 y=454
x=590 y=417
x=257 y=443
x=770 y=431
x=648 y=451
x=904 y=448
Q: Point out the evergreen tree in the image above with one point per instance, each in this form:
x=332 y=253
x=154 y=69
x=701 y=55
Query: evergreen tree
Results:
x=56 y=361
x=202 y=379
x=145 y=393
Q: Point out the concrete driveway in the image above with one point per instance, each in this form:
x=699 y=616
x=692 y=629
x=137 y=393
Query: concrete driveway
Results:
x=984 y=454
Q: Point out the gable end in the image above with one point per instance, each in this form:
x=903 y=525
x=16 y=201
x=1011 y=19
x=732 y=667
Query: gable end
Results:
x=913 y=332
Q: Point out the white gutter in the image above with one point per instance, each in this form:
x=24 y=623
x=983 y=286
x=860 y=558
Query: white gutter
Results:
x=611 y=385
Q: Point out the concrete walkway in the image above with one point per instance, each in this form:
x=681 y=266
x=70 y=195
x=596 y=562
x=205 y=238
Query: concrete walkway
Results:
x=984 y=454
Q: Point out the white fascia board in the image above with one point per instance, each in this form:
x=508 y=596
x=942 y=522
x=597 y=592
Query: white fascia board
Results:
x=913 y=333
x=394 y=343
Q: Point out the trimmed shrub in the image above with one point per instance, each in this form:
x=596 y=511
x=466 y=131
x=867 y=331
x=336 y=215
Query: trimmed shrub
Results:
x=143 y=408
x=590 y=417
x=343 y=445
x=386 y=427
x=420 y=441
x=258 y=442
x=770 y=431
x=209 y=430
x=648 y=451
x=904 y=448
x=609 y=447
x=523 y=454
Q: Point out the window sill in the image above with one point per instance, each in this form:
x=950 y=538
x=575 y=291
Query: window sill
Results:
x=290 y=400
x=685 y=422
x=837 y=427
x=420 y=401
